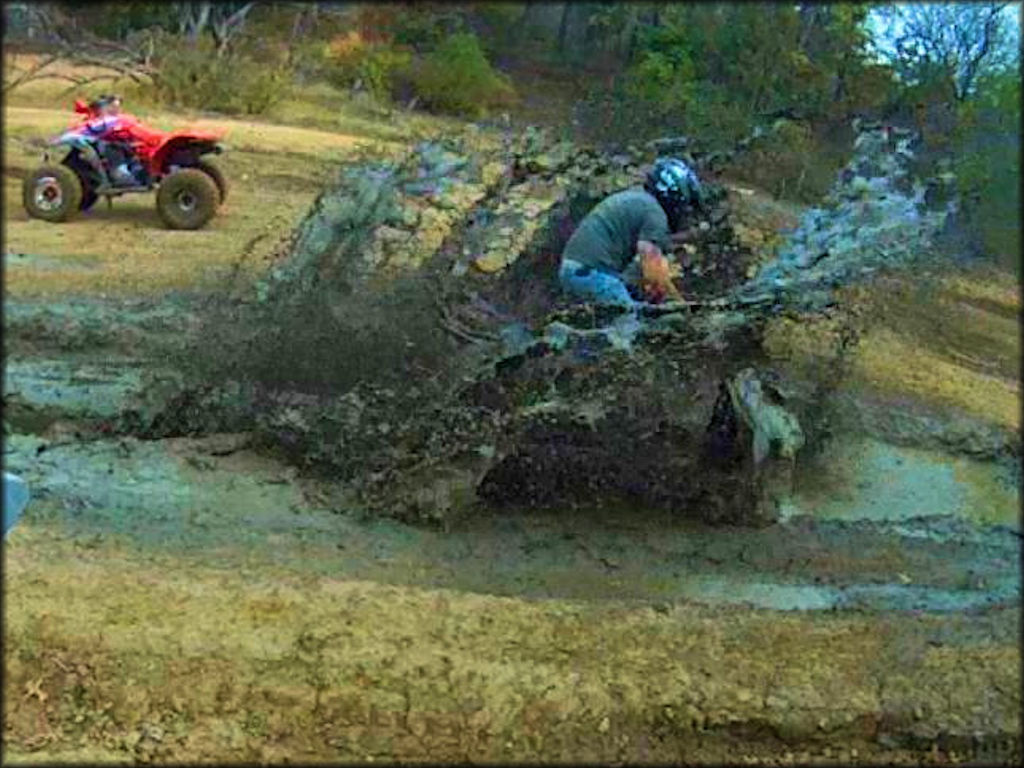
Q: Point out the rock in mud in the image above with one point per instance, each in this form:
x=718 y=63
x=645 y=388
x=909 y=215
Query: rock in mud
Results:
x=773 y=428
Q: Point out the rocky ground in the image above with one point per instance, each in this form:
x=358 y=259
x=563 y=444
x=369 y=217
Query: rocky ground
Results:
x=194 y=598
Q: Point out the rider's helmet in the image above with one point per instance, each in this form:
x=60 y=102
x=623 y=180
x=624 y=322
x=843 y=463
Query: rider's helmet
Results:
x=107 y=103
x=675 y=186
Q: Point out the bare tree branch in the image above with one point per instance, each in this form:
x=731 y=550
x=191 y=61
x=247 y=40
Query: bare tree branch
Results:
x=226 y=23
x=34 y=72
x=952 y=41
x=75 y=45
x=193 y=19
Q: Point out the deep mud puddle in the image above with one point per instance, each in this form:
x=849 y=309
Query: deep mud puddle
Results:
x=215 y=501
x=871 y=525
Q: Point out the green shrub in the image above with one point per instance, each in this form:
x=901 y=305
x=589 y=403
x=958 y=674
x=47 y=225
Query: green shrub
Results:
x=424 y=28
x=310 y=59
x=378 y=69
x=987 y=164
x=456 y=78
x=194 y=76
x=663 y=77
x=355 y=62
x=624 y=113
x=791 y=162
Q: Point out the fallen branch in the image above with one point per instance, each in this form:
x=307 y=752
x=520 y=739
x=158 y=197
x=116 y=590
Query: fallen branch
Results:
x=720 y=304
x=451 y=325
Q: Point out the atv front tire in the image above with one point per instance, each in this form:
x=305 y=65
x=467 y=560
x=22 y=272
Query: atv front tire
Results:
x=52 y=193
x=187 y=199
x=218 y=177
x=85 y=176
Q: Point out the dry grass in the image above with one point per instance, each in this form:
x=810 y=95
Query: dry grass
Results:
x=948 y=341
x=275 y=168
x=313 y=105
x=889 y=363
x=274 y=171
x=264 y=663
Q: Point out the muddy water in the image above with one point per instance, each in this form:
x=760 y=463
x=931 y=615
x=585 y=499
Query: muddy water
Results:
x=863 y=479
x=179 y=495
x=72 y=388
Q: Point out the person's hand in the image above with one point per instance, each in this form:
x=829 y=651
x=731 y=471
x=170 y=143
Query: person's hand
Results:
x=654 y=268
x=656 y=279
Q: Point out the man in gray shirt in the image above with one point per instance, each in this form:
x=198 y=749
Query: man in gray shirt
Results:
x=621 y=243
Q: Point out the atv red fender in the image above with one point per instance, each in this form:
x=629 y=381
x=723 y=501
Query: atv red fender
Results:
x=166 y=145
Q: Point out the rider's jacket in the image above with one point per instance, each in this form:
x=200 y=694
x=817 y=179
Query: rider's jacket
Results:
x=106 y=124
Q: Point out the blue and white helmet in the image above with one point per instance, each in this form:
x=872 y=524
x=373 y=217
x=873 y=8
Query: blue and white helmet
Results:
x=674 y=184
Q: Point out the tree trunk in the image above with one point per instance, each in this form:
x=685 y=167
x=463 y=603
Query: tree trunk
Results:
x=624 y=41
x=225 y=28
x=563 y=27
x=525 y=20
x=195 y=17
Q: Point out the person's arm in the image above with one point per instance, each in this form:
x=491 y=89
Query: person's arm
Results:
x=645 y=248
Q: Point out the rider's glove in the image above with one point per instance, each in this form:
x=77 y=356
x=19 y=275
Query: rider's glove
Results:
x=656 y=279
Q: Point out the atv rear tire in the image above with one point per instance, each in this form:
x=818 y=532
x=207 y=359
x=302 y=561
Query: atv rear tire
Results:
x=218 y=177
x=187 y=199
x=52 y=193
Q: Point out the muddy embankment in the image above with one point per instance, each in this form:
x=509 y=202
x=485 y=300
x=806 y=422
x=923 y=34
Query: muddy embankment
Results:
x=191 y=597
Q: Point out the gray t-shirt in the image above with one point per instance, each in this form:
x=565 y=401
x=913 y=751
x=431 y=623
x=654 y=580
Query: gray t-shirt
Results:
x=606 y=238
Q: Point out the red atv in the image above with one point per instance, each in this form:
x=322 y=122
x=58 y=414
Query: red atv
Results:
x=189 y=188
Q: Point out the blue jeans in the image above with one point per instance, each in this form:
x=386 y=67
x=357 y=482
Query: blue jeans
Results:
x=593 y=284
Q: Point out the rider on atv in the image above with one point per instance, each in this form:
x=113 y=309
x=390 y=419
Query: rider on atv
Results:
x=108 y=129
x=110 y=154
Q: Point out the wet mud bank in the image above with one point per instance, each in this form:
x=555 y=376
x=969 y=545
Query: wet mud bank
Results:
x=879 y=622
x=910 y=540
x=532 y=638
